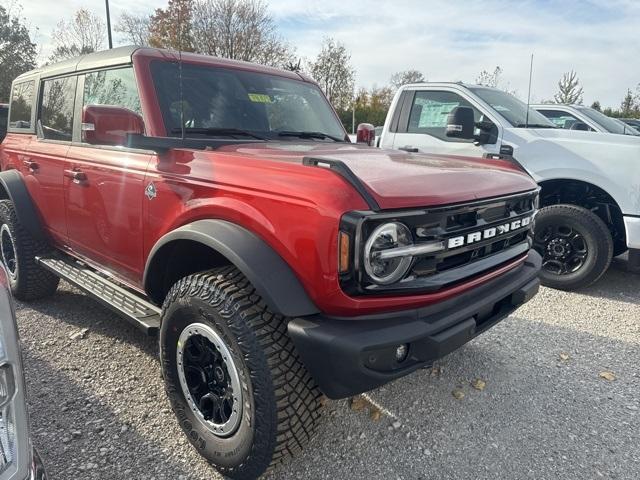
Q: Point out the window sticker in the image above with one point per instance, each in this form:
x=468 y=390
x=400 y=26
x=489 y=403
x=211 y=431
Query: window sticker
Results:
x=259 y=98
x=434 y=115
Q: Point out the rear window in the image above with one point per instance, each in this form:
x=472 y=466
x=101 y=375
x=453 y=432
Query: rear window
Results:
x=22 y=104
x=56 y=114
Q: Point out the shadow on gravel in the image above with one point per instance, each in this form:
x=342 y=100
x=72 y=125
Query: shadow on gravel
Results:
x=616 y=284
x=77 y=309
x=83 y=437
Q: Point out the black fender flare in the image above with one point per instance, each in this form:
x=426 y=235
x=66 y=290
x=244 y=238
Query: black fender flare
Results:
x=15 y=190
x=267 y=271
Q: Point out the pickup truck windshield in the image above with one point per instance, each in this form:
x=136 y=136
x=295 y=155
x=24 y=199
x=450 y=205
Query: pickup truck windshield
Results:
x=225 y=102
x=512 y=109
x=611 y=125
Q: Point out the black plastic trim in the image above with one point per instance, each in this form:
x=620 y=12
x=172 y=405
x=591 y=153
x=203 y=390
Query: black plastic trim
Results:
x=345 y=172
x=13 y=184
x=271 y=276
x=348 y=356
x=164 y=144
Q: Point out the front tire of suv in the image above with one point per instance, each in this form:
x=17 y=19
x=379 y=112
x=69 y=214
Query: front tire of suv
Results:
x=575 y=245
x=232 y=375
x=18 y=251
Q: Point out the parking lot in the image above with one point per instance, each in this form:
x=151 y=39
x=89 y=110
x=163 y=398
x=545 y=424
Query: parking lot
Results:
x=98 y=408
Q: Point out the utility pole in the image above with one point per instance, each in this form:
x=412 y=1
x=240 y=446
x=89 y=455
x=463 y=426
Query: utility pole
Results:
x=106 y=2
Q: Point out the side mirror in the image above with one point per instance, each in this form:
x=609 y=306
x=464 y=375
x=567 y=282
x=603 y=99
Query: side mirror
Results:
x=366 y=134
x=461 y=123
x=580 y=126
x=108 y=125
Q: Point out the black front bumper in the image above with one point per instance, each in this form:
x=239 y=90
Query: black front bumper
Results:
x=351 y=356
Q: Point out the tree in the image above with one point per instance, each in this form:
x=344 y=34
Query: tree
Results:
x=405 y=77
x=628 y=105
x=569 y=89
x=171 y=27
x=489 y=79
x=17 y=51
x=135 y=28
x=84 y=33
x=596 y=106
x=333 y=71
x=241 y=30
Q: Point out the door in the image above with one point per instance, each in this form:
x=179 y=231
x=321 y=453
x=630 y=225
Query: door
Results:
x=45 y=160
x=422 y=126
x=104 y=184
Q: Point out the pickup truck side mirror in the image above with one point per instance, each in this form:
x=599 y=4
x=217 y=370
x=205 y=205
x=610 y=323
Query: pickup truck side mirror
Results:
x=461 y=123
x=366 y=133
x=109 y=125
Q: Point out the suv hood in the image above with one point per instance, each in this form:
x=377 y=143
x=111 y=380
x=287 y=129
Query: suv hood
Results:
x=397 y=179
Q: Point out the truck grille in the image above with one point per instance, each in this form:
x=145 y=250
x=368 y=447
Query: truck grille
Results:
x=477 y=237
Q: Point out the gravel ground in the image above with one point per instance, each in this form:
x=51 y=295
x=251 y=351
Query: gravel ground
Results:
x=98 y=409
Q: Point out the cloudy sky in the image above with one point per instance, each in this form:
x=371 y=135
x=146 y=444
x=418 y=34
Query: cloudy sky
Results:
x=446 y=40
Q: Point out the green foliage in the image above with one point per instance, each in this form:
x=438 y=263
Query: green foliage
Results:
x=371 y=106
x=17 y=51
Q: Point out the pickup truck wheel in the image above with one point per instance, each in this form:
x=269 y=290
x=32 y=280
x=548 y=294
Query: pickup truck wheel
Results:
x=232 y=375
x=575 y=244
x=18 y=251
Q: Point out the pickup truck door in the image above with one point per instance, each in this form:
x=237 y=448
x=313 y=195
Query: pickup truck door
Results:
x=422 y=125
x=104 y=185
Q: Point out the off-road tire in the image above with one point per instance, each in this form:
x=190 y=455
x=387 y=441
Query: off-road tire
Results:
x=27 y=279
x=281 y=402
x=596 y=236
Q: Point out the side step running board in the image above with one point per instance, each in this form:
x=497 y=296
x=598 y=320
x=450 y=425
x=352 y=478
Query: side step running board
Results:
x=133 y=308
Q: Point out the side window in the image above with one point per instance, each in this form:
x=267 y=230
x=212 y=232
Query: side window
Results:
x=430 y=110
x=112 y=87
x=21 y=104
x=561 y=118
x=56 y=111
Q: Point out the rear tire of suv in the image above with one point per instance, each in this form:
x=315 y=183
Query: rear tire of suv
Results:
x=18 y=251
x=575 y=244
x=232 y=375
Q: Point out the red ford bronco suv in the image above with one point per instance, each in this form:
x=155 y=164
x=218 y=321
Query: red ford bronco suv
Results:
x=222 y=205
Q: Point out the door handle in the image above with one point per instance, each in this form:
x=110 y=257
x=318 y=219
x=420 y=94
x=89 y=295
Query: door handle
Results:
x=76 y=175
x=31 y=165
x=409 y=149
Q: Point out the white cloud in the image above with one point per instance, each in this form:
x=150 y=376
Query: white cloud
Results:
x=447 y=40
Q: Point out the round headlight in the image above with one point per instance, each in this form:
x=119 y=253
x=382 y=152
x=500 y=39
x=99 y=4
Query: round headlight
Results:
x=385 y=237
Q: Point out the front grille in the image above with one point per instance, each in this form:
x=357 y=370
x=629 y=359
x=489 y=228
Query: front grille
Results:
x=476 y=237
x=469 y=220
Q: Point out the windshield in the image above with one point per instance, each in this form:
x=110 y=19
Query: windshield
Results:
x=512 y=109
x=611 y=125
x=228 y=102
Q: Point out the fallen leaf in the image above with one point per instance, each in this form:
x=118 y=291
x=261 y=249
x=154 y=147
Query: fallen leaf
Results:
x=458 y=394
x=436 y=371
x=323 y=401
x=564 y=356
x=375 y=414
x=358 y=403
x=479 y=384
x=610 y=376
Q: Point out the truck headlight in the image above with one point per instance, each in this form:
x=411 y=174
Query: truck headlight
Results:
x=384 y=260
x=15 y=446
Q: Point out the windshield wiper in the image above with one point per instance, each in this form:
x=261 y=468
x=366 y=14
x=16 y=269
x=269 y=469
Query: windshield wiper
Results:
x=534 y=125
x=319 y=135
x=218 y=131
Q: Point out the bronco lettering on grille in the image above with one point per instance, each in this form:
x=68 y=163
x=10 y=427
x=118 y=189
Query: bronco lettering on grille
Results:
x=480 y=235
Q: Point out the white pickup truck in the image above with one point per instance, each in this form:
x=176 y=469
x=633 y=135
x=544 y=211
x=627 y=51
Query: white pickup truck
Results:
x=590 y=197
